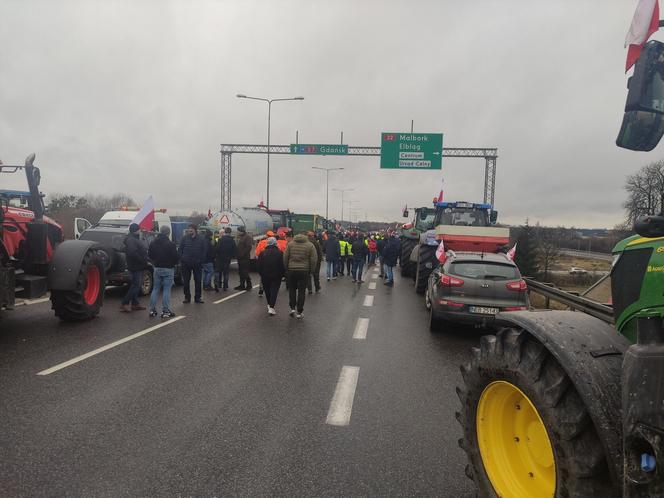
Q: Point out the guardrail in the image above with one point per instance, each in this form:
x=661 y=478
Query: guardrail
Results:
x=588 y=254
x=578 y=303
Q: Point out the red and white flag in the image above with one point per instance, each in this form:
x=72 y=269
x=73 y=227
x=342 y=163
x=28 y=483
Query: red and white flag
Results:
x=440 y=195
x=644 y=24
x=512 y=252
x=440 y=252
x=145 y=217
x=209 y=213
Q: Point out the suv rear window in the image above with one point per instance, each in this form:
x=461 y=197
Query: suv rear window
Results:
x=480 y=269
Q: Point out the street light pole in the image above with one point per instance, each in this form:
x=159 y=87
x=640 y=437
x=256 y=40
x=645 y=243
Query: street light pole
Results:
x=342 y=190
x=269 y=116
x=327 y=188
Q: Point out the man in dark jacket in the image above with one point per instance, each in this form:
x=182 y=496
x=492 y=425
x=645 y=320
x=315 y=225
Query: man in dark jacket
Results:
x=164 y=256
x=299 y=260
x=315 y=273
x=271 y=269
x=244 y=245
x=208 y=263
x=225 y=250
x=390 y=257
x=381 y=246
x=193 y=251
x=332 y=253
x=137 y=262
x=360 y=252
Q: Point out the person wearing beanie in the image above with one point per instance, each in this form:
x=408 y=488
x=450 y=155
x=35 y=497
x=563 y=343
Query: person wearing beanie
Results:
x=225 y=251
x=271 y=270
x=315 y=273
x=164 y=256
x=136 y=256
x=300 y=259
x=244 y=244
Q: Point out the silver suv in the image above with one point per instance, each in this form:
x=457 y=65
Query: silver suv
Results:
x=472 y=288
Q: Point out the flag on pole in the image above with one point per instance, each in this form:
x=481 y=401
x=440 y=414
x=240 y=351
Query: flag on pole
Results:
x=440 y=195
x=145 y=217
x=644 y=23
x=440 y=252
x=511 y=253
x=209 y=216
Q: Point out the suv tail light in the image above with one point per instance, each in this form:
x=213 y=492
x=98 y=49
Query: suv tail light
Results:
x=515 y=308
x=451 y=281
x=518 y=286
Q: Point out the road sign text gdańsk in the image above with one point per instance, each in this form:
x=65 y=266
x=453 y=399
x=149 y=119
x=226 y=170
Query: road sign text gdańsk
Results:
x=411 y=150
x=319 y=149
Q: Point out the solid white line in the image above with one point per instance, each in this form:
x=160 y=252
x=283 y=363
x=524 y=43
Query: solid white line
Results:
x=361 y=328
x=28 y=302
x=375 y=275
x=233 y=295
x=372 y=285
x=341 y=405
x=368 y=300
x=108 y=346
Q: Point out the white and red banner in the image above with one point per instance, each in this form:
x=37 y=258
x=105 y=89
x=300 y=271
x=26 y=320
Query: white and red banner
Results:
x=440 y=252
x=145 y=217
x=644 y=23
x=511 y=253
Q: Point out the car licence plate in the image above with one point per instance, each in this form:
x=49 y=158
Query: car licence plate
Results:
x=483 y=310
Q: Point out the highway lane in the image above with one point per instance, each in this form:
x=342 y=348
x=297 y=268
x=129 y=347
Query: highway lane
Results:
x=230 y=401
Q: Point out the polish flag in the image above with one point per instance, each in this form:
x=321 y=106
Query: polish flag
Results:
x=145 y=217
x=440 y=195
x=511 y=253
x=209 y=213
x=440 y=252
x=644 y=24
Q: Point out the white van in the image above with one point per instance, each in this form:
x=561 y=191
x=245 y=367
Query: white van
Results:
x=122 y=218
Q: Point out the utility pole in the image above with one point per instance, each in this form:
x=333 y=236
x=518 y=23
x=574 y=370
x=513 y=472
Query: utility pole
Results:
x=342 y=190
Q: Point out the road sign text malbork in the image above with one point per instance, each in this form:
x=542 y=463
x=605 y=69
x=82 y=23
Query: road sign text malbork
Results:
x=319 y=149
x=411 y=150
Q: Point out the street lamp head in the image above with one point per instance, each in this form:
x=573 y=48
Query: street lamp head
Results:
x=241 y=96
x=298 y=98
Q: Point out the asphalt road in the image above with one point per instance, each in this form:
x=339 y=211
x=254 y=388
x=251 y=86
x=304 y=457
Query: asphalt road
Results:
x=228 y=401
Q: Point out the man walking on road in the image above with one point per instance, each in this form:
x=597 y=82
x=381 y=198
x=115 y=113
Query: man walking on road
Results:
x=164 y=256
x=299 y=260
x=360 y=252
x=332 y=253
x=315 y=274
x=390 y=256
x=193 y=251
x=208 y=263
x=224 y=252
x=271 y=269
x=244 y=245
x=137 y=263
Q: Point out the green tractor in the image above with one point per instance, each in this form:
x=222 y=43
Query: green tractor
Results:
x=563 y=404
x=410 y=236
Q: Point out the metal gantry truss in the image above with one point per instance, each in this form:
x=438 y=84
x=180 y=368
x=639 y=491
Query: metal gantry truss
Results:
x=227 y=150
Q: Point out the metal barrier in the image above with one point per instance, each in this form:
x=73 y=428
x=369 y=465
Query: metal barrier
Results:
x=573 y=301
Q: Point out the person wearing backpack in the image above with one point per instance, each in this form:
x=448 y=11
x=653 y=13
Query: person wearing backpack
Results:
x=271 y=270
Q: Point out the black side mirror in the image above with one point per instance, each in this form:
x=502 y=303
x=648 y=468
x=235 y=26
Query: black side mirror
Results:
x=424 y=212
x=643 y=123
x=405 y=213
x=493 y=217
x=650 y=226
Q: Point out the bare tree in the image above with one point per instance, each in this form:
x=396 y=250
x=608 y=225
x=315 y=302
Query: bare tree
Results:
x=645 y=191
x=548 y=250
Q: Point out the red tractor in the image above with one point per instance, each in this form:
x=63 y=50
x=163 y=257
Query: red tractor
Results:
x=34 y=258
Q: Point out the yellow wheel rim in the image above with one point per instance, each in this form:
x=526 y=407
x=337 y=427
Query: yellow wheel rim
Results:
x=514 y=444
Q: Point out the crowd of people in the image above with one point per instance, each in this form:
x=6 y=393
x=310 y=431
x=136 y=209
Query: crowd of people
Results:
x=281 y=257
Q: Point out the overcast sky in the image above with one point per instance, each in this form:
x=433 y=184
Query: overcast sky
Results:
x=136 y=97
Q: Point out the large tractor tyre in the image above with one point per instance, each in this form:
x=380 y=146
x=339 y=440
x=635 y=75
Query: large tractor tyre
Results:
x=407 y=266
x=526 y=430
x=426 y=262
x=85 y=301
x=147 y=283
x=435 y=323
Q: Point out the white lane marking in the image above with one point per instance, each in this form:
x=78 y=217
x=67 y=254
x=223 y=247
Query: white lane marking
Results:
x=361 y=328
x=28 y=302
x=341 y=405
x=108 y=346
x=372 y=285
x=233 y=295
x=375 y=275
x=368 y=300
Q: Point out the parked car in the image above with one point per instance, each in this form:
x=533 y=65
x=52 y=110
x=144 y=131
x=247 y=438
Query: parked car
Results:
x=472 y=288
x=577 y=271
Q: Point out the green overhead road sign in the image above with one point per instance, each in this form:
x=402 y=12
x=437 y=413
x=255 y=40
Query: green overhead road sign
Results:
x=411 y=150
x=319 y=149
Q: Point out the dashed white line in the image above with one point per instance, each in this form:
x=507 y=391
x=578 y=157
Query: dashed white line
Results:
x=341 y=405
x=361 y=328
x=372 y=285
x=108 y=346
x=368 y=300
x=233 y=295
x=375 y=275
